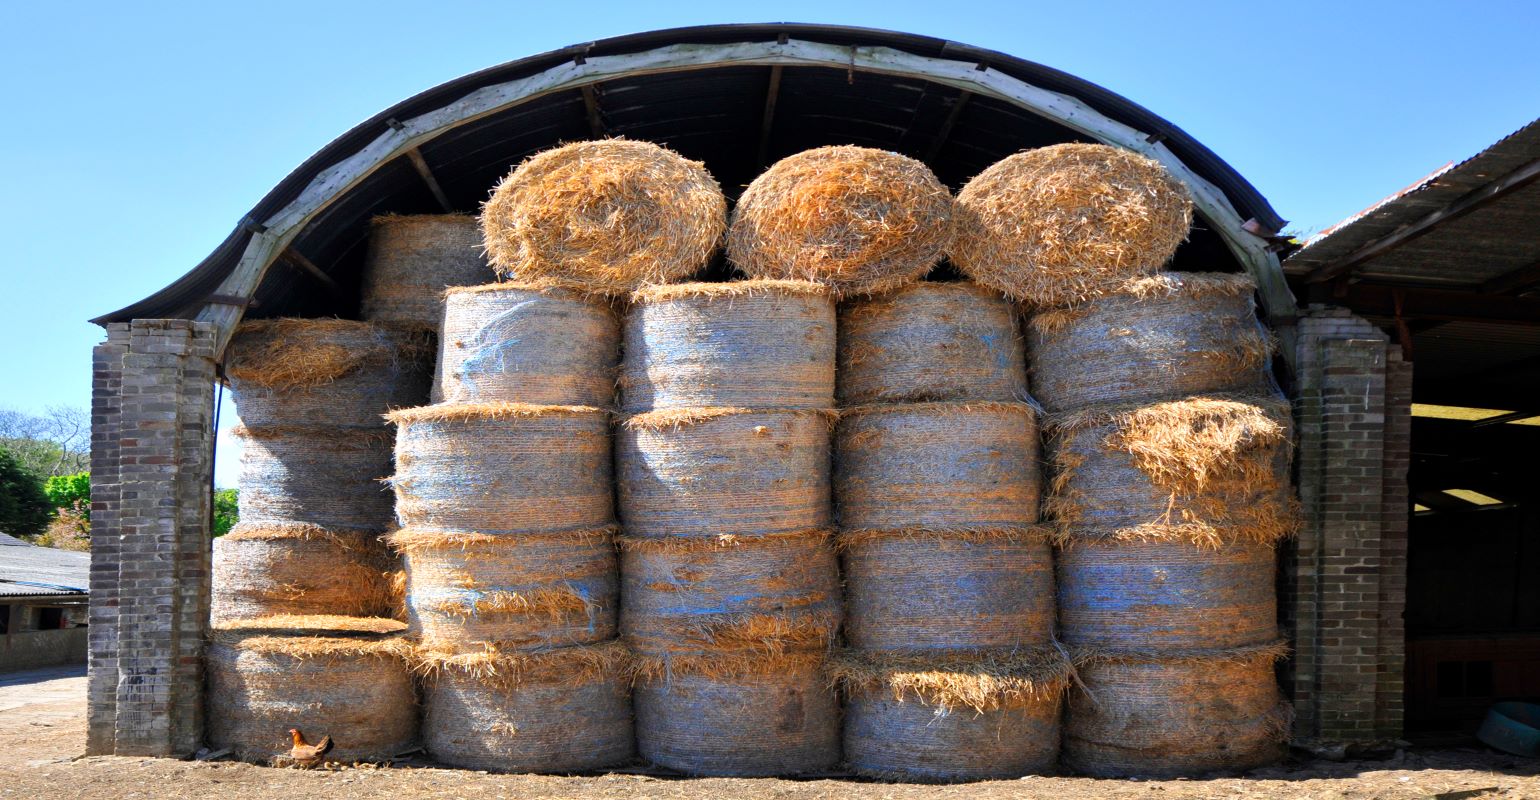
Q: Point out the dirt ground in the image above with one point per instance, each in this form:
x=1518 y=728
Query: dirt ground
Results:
x=42 y=733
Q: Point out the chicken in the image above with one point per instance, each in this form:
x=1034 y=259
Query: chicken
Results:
x=305 y=754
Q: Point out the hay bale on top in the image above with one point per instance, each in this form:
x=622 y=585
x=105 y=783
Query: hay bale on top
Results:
x=924 y=590
x=324 y=372
x=753 y=344
x=527 y=343
x=605 y=216
x=412 y=260
x=287 y=568
x=468 y=590
x=324 y=476
x=937 y=465
x=561 y=710
x=931 y=341
x=1160 y=338
x=856 y=219
x=503 y=468
x=709 y=471
x=1058 y=225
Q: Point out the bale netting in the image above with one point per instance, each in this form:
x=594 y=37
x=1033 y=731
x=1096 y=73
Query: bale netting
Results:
x=758 y=594
x=931 y=341
x=468 y=590
x=1173 y=716
x=1157 y=595
x=921 y=589
x=262 y=569
x=755 y=344
x=771 y=715
x=856 y=219
x=605 y=216
x=937 y=465
x=953 y=716
x=527 y=343
x=1058 y=225
x=503 y=468
x=354 y=687
x=561 y=710
x=412 y=260
x=1159 y=338
x=1206 y=470
x=325 y=371
x=707 y=471
x=324 y=476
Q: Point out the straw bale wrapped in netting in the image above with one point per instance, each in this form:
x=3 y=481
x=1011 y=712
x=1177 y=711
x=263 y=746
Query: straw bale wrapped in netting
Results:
x=503 y=468
x=352 y=686
x=1206 y=470
x=467 y=590
x=527 y=343
x=1171 y=716
x=938 y=589
x=931 y=341
x=1058 y=225
x=315 y=475
x=604 y=216
x=261 y=569
x=756 y=344
x=566 y=709
x=325 y=371
x=937 y=465
x=708 y=471
x=1156 y=595
x=1158 y=338
x=773 y=715
x=952 y=716
x=751 y=594
x=412 y=260
x=856 y=219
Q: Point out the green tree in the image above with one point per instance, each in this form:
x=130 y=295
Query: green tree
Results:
x=24 y=506
x=226 y=510
x=70 y=491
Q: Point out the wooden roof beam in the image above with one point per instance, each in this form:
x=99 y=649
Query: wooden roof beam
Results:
x=297 y=260
x=767 y=123
x=591 y=107
x=946 y=127
x=1380 y=300
x=1515 y=281
x=421 y=165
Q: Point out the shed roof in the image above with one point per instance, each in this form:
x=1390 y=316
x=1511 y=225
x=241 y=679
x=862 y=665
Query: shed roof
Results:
x=27 y=570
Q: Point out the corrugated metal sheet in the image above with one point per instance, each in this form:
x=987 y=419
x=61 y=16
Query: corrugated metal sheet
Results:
x=27 y=570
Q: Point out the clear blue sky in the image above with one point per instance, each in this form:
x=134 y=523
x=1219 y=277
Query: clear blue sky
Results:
x=134 y=135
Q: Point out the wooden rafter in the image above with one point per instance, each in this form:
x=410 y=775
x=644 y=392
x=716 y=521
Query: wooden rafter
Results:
x=591 y=108
x=947 y=126
x=1514 y=281
x=767 y=123
x=421 y=165
x=296 y=259
x=1381 y=300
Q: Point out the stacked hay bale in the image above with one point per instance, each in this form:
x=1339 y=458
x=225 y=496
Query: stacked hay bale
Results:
x=412 y=260
x=951 y=672
x=1169 y=447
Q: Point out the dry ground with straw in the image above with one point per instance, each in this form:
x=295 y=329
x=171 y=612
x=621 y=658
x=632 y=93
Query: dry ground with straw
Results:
x=42 y=731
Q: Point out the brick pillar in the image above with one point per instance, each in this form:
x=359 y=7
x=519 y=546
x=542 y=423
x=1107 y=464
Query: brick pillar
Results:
x=102 y=683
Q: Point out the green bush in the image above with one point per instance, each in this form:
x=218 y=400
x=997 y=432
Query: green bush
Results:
x=70 y=491
x=24 y=506
x=226 y=510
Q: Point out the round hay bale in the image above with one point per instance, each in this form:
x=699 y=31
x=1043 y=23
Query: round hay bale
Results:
x=1061 y=224
x=286 y=568
x=1158 y=595
x=331 y=372
x=697 y=596
x=604 y=216
x=931 y=341
x=952 y=717
x=1160 y=338
x=1203 y=470
x=469 y=590
x=938 y=466
x=329 y=477
x=856 y=219
x=1176 y=717
x=708 y=471
x=412 y=260
x=503 y=468
x=749 y=718
x=561 y=710
x=356 y=689
x=925 y=590
x=527 y=343
x=754 y=344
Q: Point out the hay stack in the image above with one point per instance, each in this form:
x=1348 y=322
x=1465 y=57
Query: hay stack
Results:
x=1158 y=338
x=324 y=476
x=527 y=343
x=606 y=217
x=856 y=219
x=751 y=344
x=1059 y=225
x=412 y=260
x=931 y=341
x=262 y=570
